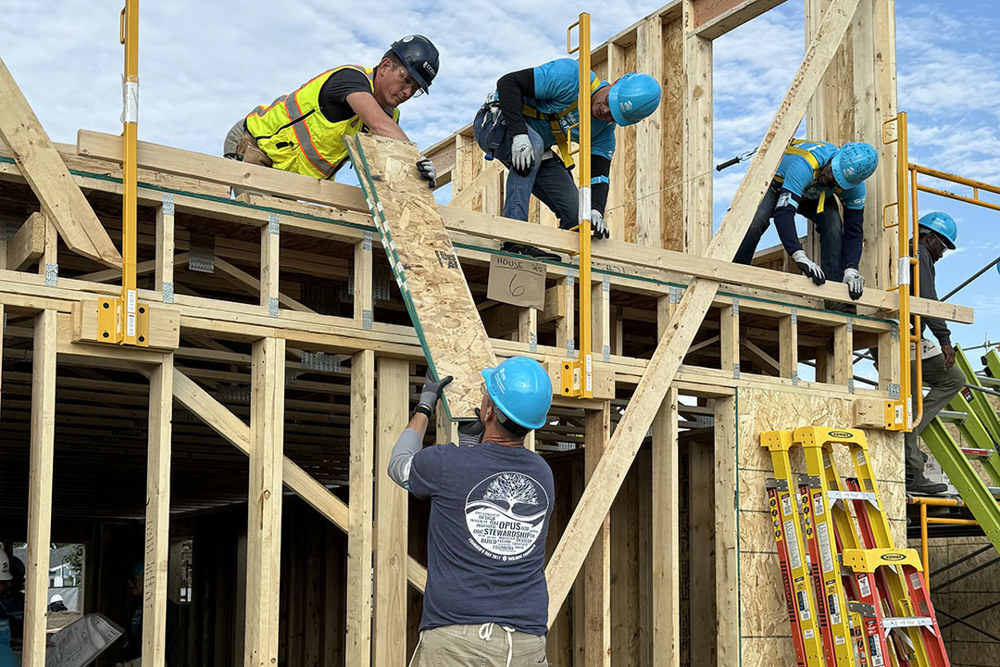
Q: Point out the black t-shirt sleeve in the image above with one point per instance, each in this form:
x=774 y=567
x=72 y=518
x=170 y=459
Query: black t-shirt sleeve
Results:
x=512 y=88
x=333 y=95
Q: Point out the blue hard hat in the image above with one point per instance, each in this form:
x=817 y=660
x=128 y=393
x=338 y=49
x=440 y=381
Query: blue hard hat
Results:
x=521 y=390
x=633 y=97
x=853 y=163
x=943 y=225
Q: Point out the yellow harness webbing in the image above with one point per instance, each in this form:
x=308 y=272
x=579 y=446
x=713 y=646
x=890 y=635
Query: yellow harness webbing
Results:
x=793 y=149
x=561 y=137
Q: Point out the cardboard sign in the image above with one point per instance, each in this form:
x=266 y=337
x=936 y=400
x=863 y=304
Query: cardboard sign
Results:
x=516 y=281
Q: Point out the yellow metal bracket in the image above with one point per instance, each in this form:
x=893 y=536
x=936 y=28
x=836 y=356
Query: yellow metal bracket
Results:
x=577 y=375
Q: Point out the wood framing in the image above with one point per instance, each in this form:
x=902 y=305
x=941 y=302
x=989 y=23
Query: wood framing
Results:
x=293 y=364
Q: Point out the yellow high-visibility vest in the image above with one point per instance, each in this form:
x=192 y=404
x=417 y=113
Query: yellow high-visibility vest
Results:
x=293 y=132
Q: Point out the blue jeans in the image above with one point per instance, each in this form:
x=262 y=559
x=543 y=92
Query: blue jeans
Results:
x=828 y=224
x=549 y=180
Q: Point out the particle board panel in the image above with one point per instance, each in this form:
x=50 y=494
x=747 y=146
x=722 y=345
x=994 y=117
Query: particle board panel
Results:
x=767 y=651
x=765 y=613
x=426 y=268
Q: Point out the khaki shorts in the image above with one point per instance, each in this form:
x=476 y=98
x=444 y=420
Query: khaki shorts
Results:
x=487 y=645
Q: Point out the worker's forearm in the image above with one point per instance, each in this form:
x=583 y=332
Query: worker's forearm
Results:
x=853 y=237
x=388 y=128
x=512 y=88
x=600 y=169
x=408 y=444
x=784 y=222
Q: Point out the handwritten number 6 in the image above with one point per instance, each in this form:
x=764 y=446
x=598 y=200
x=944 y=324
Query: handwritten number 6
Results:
x=515 y=290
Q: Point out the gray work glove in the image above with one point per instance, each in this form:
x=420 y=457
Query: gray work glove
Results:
x=597 y=225
x=432 y=391
x=426 y=169
x=808 y=267
x=522 y=154
x=855 y=282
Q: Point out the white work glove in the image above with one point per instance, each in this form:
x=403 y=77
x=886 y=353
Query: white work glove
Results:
x=809 y=267
x=597 y=225
x=427 y=172
x=855 y=283
x=522 y=154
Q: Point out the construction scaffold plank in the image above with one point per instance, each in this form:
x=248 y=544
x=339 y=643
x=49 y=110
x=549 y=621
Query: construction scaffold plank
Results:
x=426 y=268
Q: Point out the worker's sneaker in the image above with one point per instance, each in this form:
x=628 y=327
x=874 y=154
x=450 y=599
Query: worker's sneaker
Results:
x=922 y=486
x=529 y=250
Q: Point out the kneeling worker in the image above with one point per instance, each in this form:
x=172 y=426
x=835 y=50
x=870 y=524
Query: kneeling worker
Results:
x=486 y=601
x=809 y=174
x=304 y=131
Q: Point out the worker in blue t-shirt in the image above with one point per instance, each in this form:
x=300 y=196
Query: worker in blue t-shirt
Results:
x=534 y=110
x=486 y=601
x=809 y=175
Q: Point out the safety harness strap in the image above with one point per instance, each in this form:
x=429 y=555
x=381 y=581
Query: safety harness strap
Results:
x=561 y=135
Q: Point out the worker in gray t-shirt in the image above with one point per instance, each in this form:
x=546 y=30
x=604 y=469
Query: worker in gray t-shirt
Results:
x=485 y=597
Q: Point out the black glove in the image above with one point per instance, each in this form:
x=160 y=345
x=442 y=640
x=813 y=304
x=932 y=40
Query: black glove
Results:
x=426 y=169
x=432 y=391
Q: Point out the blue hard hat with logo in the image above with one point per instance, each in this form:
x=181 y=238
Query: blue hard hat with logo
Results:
x=853 y=163
x=633 y=97
x=521 y=390
x=943 y=225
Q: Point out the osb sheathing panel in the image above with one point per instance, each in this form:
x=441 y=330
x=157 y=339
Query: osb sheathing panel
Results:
x=762 y=598
x=443 y=310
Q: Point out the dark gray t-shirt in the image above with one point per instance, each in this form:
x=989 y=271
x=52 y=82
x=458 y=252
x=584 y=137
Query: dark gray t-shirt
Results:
x=490 y=509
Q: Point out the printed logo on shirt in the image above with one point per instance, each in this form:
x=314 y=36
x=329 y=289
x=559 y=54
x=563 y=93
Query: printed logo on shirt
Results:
x=505 y=514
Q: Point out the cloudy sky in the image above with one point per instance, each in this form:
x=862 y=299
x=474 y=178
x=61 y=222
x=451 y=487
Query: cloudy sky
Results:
x=205 y=64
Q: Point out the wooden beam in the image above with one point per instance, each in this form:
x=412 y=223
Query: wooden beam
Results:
x=154 y=602
x=697 y=136
x=843 y=354
x=485 y=177
x=48 y=177
x=220 y=170
x=648 y=153
x=28 y=243
x=267 y=421
x=714 y=18
x=43 y=424
x=788 y=346
x=729 y=338
x=662 y=367
x=597 y=568
x=700 y=539
x=391 y=517
x=727 y=572
x=270 y=265
x=359 y=537
x=245 y=279
x=666 y=583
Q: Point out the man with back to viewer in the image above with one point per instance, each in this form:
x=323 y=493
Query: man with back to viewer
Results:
x=303 y=132
x=486 y=598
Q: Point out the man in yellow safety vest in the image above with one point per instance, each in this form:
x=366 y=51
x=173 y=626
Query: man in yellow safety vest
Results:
x=304 y=131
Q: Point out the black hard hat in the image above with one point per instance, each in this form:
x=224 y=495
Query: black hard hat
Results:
x=420 y=58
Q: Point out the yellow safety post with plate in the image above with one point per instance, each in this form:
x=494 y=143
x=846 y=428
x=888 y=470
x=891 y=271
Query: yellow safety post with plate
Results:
x=577 y=375
x=124 y=320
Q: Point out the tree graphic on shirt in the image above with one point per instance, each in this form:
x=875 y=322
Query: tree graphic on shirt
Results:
x=512 y=488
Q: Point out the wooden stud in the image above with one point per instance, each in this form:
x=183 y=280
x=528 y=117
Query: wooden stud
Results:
x=364 y=297
x=154 y=604
x=43 y=423
x=566 y=325
x=885 y=248
x=788 y=347
x=270 y=242
x=729 y=338
x=527 y=332
x=600 y=318
x=615 y=212
x=843 y=354
x=359 y=538
x=701 y=529
x=727 y=599
x=662 y=367
x=165 y=249
x=697 y=136
x=391 y=517
x=596 y=570
x=228 y=270
x=666 y=557
x=648 y=156
x=888 y=361
x=267 y=420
